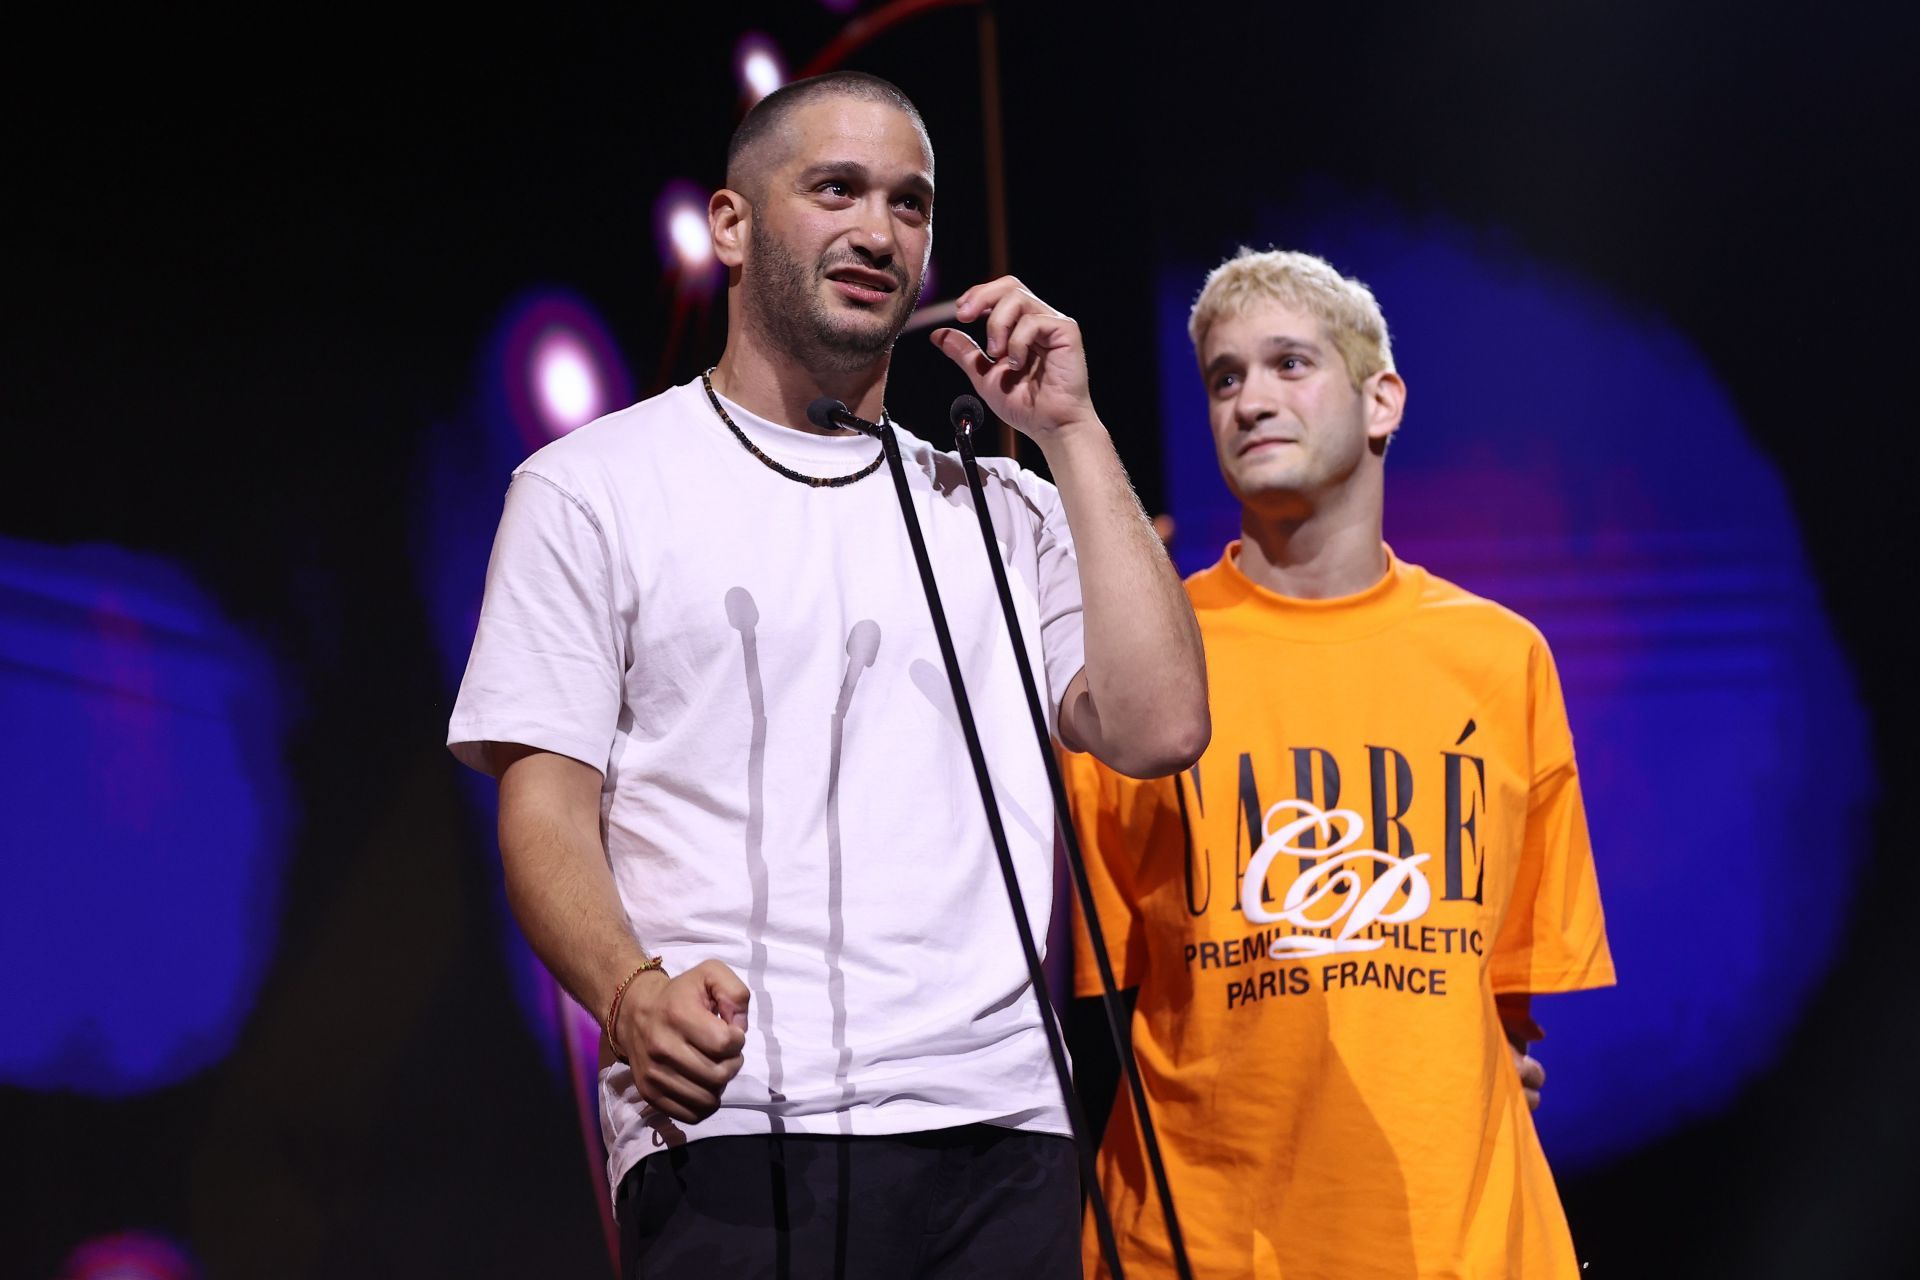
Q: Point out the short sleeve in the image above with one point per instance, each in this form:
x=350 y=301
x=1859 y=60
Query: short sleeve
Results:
x=1554 y=936
x=1062 y=626
x=546 y=666
x=1118 y=821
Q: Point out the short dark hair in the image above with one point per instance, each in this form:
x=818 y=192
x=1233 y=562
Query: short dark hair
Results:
x=768 y=114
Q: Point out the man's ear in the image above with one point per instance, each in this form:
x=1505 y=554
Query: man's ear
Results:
x=1386 y=397
x=729 y=216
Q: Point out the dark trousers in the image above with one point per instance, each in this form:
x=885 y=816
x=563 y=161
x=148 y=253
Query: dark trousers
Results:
x=974 y=1201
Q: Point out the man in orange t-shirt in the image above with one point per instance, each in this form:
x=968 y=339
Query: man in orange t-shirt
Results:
x=1337 y=918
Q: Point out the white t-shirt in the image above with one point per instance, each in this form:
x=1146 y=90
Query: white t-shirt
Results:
x=752 y=664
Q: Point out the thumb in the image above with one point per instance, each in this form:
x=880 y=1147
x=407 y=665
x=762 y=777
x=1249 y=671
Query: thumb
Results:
x=966 y=353
x=727 y=996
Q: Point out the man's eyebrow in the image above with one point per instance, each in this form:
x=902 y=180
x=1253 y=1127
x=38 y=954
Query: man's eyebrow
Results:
x=833 y=169
x=1221 y=361
x=1278 y=344
x=853 y=171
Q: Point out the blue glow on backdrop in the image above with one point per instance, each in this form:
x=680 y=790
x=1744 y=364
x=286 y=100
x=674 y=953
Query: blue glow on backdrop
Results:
x=466 y=463
x=148 y=810
x=1577 y=462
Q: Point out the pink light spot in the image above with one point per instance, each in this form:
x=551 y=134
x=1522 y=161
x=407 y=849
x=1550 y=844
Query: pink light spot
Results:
x=130 y=1255
x=691 y=241
x=560 y=368
x=760 y=70
x=567 y=385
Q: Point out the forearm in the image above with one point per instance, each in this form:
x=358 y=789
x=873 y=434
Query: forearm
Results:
x=1145 y=706
x=1516 y=1017
x=558 y=881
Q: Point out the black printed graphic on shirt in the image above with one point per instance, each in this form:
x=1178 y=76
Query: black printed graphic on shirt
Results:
x=1333 y=897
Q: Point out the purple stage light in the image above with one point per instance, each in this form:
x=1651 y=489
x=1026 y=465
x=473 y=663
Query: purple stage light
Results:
x=761 y=70
x=550 y=355
x=560 y=368
x=680 y=221
x=689 y=234
x=142 y=725
x=130 y=1255
x=567 y=385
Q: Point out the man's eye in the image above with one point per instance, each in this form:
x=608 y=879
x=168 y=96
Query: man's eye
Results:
x=1225 y=383
x=912 y=204
x=838 y=189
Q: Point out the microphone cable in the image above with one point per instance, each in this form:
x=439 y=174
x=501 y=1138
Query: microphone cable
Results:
x=966 y=413
x=827 y=413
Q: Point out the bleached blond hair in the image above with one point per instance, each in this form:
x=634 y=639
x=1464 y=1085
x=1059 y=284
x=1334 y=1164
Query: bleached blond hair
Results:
x=1305 y=283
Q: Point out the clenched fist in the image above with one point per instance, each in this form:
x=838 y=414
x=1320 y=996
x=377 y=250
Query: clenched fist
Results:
x=684 y=1037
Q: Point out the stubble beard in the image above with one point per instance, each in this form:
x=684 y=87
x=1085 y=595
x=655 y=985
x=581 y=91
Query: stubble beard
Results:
x=1283 y=491
x=785 y=306
x=1306 y=485
x=1274 y=499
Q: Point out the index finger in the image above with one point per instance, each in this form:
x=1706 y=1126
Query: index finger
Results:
x=982 y=298
x=966 y=353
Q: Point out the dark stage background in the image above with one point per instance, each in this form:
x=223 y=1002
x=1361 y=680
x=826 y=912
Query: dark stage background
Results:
x=263 y=265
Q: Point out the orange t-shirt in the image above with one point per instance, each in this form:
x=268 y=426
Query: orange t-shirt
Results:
x=1385 y=831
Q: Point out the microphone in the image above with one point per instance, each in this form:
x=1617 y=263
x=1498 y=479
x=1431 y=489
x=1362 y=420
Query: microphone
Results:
x=823 y=412
x=829 y=414
x=965 y=414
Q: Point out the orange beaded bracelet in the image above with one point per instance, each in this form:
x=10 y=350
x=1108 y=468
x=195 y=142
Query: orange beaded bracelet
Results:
x=619 y=994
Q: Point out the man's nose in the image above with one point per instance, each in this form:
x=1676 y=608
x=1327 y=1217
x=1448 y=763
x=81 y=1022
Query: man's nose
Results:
x=1254 y=405
x=874 y=234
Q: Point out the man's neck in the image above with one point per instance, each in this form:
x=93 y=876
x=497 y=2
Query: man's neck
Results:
x=1315 y=555
x=779 y=389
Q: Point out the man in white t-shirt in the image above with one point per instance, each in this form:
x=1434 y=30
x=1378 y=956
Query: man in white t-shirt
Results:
x=737 y=815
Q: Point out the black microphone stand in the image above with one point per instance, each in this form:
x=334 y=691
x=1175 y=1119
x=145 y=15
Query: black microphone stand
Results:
x=966 y=413
x=826 y=412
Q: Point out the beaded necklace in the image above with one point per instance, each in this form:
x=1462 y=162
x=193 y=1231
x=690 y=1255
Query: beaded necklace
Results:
x=816 y=482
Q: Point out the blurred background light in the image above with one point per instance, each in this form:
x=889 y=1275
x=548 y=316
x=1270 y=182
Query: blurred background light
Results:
x=557 y=368
x=760 y=68
x=691 y=241
x=148 y=809
x=930 y=282
x=130 y=1255
x=569 y=387
x=680 y=222
x=552 y=365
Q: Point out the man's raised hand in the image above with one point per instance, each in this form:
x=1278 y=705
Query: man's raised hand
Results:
x=1033 y=370
x=684 y=1038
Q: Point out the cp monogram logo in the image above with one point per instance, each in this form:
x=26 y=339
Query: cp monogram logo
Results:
x=1333 y=876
